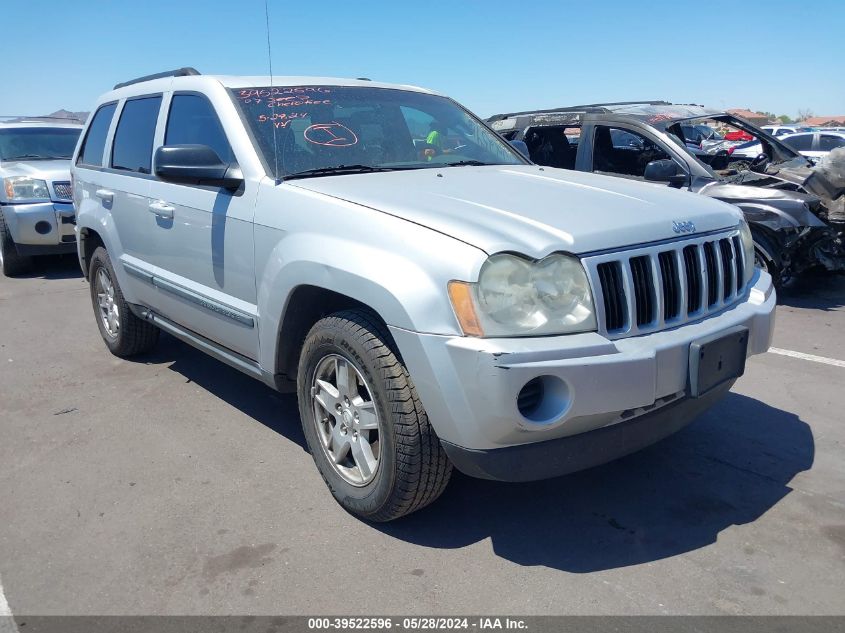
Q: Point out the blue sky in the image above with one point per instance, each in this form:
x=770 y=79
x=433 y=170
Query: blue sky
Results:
x=491 y=56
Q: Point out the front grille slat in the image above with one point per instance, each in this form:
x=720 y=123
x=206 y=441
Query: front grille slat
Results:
x=643 y=289
x=63 y=190
x=712 y=272
x=727 y=268
x=648 y=290
x=613 y=294
x=740 y=266
x=671 y=285
x=693 y=272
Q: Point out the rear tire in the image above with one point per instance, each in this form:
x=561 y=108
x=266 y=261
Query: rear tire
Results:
x=11 y=261
x=409 y=468
x=123 y=333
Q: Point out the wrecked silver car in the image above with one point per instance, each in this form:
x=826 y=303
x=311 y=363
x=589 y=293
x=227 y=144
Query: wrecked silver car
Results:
x=796 y=211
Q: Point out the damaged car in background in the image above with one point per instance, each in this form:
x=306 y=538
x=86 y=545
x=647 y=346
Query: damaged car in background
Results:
x=796 y=211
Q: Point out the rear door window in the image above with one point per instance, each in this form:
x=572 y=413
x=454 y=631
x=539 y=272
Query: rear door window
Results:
x=800 y=142
x=133 y=140
x=94 y=144
x=193 y=121
x=553 y=146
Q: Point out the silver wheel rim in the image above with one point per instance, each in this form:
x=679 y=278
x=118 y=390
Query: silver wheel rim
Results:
x=109 y=313
x=346 y=419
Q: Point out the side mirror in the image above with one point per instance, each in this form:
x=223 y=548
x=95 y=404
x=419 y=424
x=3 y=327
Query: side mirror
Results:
x=195 y=165
x=521 y=147
x=665 y=170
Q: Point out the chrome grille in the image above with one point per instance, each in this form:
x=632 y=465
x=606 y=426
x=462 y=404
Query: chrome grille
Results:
x=63 y=190
x=654 y=287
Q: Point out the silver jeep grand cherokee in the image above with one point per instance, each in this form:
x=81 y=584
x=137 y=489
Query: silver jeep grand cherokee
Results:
x=434 y=299
x=36 y=212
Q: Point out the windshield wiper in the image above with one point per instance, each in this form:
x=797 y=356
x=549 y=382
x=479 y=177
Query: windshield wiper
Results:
x=340 y=170
x=464 y=163
x=37 y=157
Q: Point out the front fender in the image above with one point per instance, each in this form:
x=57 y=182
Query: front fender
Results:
x=404 y=282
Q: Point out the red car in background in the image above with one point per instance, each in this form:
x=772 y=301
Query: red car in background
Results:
x=738 y=135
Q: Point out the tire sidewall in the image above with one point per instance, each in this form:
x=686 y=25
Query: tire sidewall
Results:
x=364 y=500
x=99 y=260
x=763 y=248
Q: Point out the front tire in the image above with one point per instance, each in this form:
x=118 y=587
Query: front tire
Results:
x=11 y=261
x=123 y=333
x=364 y=423
x=766 y=257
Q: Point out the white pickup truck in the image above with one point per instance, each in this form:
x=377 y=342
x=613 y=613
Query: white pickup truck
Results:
x=36 y=210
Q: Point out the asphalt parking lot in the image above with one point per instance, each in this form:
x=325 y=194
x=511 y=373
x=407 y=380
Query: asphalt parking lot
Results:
x=175 y=485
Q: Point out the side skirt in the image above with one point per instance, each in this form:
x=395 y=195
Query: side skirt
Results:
x=218 y=352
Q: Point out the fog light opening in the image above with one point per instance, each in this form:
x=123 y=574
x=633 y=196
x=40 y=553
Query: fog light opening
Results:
x=543 y=399
x=42 y=227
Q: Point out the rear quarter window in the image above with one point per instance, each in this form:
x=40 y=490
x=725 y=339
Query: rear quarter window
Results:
x=91 y=152
x=133 y=140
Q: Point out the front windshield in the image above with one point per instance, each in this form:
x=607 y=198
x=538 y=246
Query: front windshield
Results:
x=323 y=129
x=37 y=143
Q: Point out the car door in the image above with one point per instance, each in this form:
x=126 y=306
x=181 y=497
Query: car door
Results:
x=612 y=153
x=204 y=260
x=125 y=188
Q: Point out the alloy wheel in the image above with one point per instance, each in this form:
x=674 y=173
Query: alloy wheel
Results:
x=109 y=312
x=347 y=422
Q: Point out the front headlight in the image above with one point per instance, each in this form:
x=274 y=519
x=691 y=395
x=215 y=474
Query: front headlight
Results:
x=25 y=188
x=518 y=297
x=748 y=250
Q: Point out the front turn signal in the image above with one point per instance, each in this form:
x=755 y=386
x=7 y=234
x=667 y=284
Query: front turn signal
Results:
x=460 y=294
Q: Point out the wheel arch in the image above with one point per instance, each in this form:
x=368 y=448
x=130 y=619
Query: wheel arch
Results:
x=306 y=305
x=89 y=241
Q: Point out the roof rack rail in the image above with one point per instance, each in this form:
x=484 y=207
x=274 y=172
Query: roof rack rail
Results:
x=590 y=106
x=18 y=118
x=179 y=72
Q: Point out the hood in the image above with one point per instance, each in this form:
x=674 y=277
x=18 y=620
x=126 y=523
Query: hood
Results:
x=44 y=169
x=821 y=181
x=758 y=203
x=529 y=210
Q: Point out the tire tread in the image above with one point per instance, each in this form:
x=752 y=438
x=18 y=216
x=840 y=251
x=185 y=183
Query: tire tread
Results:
x=422 y=467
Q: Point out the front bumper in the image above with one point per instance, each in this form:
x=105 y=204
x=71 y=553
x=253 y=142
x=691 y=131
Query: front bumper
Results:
x=39 y=227
x=469 y=386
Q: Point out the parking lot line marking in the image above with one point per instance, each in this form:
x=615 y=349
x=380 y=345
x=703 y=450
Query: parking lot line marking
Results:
x=7 y=624
x=4 y=606
x=811 y=357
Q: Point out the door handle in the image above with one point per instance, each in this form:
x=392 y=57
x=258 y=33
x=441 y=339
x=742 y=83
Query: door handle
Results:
x=162 y=210
x=105 y=195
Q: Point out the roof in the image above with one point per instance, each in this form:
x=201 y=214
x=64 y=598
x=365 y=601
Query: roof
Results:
x=824 y=120
x=831 y=132
x=191 y=77
x=238 y=81
x=653 y=112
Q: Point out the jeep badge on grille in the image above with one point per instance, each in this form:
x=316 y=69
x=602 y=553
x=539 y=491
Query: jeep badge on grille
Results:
x=683 y=227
